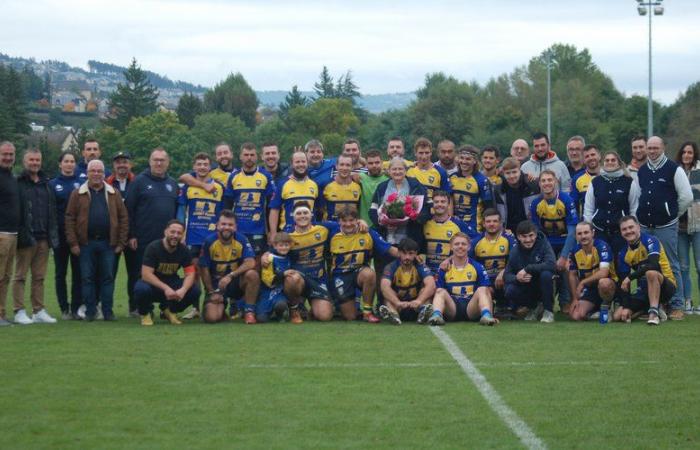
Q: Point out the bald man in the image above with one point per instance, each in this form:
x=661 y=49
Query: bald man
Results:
x=520 y=150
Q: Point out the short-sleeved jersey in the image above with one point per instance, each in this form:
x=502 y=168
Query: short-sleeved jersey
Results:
x=290 y=192
x=309 y=249
x=434 y=178
x=495 y=180
x=462 y=282
x=221 y=257
x=201 y=211
x=579 y=186
x=251 y=193
x=493 y=253
x=166 y=264
x=635 y=254
x=553 y=216
x=349 y=252
x=406 y=282
x=219 y=175
x=278 y=265
x=468 y=195
x=437 y=239
x=337 y=196
x=586 y=264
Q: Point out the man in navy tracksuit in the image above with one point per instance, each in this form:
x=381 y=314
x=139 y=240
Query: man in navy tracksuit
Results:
x=151 y=202
x=665 y=195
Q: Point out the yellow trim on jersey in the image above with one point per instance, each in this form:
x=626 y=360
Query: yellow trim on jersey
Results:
x=295 y=191
x=430 y=178
x=219 y=175
x=338 y=195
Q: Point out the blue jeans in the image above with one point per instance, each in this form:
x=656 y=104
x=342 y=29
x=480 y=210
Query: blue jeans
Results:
x=668 y=237
x=97 y=261
x=685 y=241
x=541 y=287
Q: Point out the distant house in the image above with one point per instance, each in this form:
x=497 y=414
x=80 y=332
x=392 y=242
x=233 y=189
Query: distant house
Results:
x=65 y=138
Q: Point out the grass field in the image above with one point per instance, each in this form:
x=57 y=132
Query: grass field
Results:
x=345 y=385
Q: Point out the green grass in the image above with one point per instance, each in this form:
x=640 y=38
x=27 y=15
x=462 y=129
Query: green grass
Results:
x=344 y=385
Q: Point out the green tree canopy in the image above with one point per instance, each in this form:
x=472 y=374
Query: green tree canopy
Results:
x=135 y=98
x=233 y=96
x=188 y=107
x=213 y=128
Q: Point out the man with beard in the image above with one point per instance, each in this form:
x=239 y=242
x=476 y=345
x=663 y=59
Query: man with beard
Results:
x=395 y=148
x=12 y=219
x=91 y=150
x=447 y=157
x=545 y=159
x=271 y=162
x=582 y=179
x=159 y=282
x=515 y=195
x=489 y=164
x=220 y=174
x=297 y=188
x=249 y=191
x=369 y=182
x=471 y=190
x=340 y=193
x=432 y=177
x=227 y=266
x=439 y=230
x=351 y=148
x=639 y=154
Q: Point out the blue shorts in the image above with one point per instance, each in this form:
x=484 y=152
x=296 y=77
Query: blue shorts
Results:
x=461 y=310
x=591 y=294
x=269 y=298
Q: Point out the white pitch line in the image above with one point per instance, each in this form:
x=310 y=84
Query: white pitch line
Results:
x=411 y=365
x=507 y=415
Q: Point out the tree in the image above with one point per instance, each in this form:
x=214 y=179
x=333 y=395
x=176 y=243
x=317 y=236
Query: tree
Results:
x=683 y=119
x=14 y=121
x=346 y=88
x=233 y=96
x=213 y=128
x=188 y=107
x=135 y=98
x=324 y=87
x=293 y=99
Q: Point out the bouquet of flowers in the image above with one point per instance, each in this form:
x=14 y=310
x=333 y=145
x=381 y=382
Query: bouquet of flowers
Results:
x=399 y=209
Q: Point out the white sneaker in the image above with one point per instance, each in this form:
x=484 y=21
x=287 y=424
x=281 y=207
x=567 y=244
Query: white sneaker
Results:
x=594 y=316
x=43 y=317
x=688 y=307
x=662 y=315
x=81 y=312
x=22 y=318
x=99 y=315
x=547 y=317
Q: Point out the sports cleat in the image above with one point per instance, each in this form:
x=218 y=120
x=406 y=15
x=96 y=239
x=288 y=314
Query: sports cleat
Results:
x=370 y=318
x=488 y=320
x=22 y=318
x=43 y=317
x=436 y=319
x=250 y=318
x=425 y=313
x=295 y=316
x=191 y=314
x=171 y=317
x=547 y=317
x=653 y=319
x=594 y=316
x=146 y=320
x=389 y=316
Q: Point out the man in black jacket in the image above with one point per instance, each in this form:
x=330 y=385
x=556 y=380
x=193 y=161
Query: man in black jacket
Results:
x=151 y=201
x=35 y=241
x=10 y=221
x=528 y=274
x=515 y=194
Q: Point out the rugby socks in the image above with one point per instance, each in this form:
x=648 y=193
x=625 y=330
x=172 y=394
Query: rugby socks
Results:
x=249 y=308
x=485 y=312
x=653 y=310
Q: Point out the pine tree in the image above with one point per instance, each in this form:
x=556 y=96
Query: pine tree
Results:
x=188 y=107
x=324 y=87
x=293 y=99
x=135 y=98
x=233 y=96
x=16 y=101
x=47 y=87
x=347 y=89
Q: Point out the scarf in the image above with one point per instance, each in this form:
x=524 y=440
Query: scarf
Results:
x=611 y=175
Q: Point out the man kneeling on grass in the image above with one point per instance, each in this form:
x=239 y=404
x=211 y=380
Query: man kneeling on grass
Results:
x=407 y=285
x=160 y=282
x=463 y=289
x=589 y=273
x=644 y=259
x=227 y=266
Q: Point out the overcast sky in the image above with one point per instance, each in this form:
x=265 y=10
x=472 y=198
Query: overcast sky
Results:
x=389 y=46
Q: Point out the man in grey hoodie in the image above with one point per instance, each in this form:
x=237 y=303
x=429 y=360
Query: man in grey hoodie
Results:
x=544 y=158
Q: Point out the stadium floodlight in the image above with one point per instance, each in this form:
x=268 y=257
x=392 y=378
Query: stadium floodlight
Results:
x=644 y=7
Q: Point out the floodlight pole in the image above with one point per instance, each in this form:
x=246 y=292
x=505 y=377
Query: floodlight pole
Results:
x=549 y=94
x=653 y=8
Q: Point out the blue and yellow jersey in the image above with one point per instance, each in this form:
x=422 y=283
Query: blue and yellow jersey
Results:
x=223 y=258
x=251 y=193
x=495 y=180
x=437 y=239
x=433 y=179
x=635 y=254
x=337 y=196
x=278 y=265
x=201 y=211
x=462 y=282
x=406 y=281
x=553 y=216
x=385 y=165
x=309 y=249
x=579 y=186
x=349 y=252
x=586 y=264
x=219 y=175
x=493 y=253
x=468 y=196
x=290 y=192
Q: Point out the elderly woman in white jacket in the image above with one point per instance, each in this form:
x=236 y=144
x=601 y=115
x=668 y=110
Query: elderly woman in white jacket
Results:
x=688 y=158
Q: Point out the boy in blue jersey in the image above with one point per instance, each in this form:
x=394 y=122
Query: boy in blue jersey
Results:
x=276 y=267
x=407 y=286
x=589 y=273
x=554 y=213
x=227 y=267
x=248 y=193
x=463 y=289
